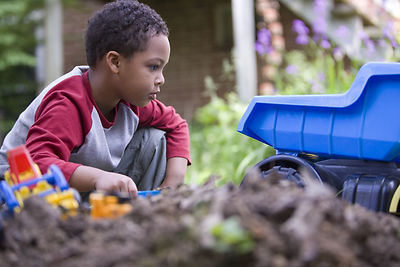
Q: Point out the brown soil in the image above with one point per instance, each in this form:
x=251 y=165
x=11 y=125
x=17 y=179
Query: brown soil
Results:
x=267 y=222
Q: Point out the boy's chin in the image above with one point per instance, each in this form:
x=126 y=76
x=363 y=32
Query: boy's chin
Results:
x=142 y=104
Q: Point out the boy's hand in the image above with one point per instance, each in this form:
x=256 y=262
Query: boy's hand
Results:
x=115 y=182
x=87 y=178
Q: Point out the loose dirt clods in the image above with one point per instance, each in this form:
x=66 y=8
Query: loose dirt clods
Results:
x=264 y=222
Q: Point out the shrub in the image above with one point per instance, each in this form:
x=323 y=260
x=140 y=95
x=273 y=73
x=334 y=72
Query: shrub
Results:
x=217 y=148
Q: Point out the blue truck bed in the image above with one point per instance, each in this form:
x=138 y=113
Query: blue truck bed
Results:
x=361 y=123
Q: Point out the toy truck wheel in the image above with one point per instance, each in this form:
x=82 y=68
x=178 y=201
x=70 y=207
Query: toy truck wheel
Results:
x=289 y=167
x=8 y=196
x=59 y=178
x=77 y=196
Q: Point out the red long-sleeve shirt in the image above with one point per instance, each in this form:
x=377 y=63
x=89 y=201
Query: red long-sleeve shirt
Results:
x=64 y=126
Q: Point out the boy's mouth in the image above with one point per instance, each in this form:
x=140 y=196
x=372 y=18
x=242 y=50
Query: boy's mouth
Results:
x=153 y=95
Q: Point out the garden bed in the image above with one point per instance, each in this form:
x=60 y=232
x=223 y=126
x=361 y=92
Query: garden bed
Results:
x=267 y=222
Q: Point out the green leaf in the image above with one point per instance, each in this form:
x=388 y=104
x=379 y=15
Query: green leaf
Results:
x=231 y=236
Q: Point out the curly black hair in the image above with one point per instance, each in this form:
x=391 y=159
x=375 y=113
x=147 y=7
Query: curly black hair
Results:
x=123 y=26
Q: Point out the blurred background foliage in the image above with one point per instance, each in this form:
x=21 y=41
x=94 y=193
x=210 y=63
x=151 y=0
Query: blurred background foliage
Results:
x=315 y=70
x=18 y=23
x=321 y=68
x=217 y=148
x=316 y=66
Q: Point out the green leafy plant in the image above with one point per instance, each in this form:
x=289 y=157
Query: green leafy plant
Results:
x=19 y=21
x=217 y=148
x=318 y=65
x=17 y=26
x=315 y=70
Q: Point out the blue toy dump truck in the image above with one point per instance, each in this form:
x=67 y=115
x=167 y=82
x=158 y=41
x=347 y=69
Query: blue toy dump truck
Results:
x=350 y=141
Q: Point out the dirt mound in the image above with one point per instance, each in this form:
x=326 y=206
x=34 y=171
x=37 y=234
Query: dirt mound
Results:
x=267 y=222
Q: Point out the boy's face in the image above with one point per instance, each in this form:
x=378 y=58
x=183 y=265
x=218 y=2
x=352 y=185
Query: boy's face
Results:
x=141 y=75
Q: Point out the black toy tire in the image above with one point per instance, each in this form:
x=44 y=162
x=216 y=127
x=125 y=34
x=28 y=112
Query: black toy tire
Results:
x=289 y=167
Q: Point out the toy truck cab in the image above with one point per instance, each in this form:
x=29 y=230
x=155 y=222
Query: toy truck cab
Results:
x=22 y=167
x=24 y=180
x=350 y=141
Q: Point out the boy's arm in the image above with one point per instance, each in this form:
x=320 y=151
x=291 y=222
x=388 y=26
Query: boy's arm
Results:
x=176 y=170
x=157 y=115
x=57 y=129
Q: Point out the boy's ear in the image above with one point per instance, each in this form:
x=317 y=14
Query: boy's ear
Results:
x=113 y=61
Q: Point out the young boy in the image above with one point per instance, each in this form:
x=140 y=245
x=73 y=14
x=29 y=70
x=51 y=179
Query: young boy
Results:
x=87 y=121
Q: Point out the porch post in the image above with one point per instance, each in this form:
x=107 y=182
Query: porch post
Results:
x=244 y=40
x=54 y=62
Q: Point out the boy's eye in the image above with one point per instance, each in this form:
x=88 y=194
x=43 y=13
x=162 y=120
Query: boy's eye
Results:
x=154 y=67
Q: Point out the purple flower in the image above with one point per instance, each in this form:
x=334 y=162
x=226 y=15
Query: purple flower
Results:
x=320 y=6
x=302 y=39
x=369 y=44
x=302 y=31
x=342 y=32
x=299 y=27
x=321 y=76
x=317 y=84
x=316 y=87
x=264 y=36
x=363 y=35
x=320 y=11
x=381 y=42
x=263 y=49
x=319 y=26
x=337 y=53
x=388 y=32
x=263 y=44
x=292 y=69
x=325 y=43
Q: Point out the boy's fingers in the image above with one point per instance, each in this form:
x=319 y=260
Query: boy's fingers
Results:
x=132 y=189
x=124 y=187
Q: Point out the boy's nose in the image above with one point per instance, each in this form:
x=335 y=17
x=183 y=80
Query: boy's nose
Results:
x=160 y=80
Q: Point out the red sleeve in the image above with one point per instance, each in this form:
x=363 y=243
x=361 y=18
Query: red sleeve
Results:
x=57 y=130
x=157 y=115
